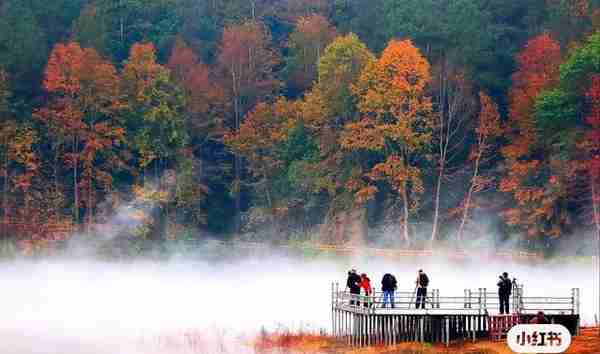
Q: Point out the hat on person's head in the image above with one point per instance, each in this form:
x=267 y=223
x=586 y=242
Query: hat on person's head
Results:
x=420 y=270
x=505 y=274
x=353 y=271
x=363 y=275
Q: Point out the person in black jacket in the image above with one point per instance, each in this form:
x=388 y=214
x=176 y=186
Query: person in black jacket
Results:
x=422 y=283
x=353 y=283
x=388 y=286
x=504 y=292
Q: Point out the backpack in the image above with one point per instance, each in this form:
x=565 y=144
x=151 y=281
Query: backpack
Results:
x=508 y=286
x=388 y=281
x=423 y=280
x=505 y=286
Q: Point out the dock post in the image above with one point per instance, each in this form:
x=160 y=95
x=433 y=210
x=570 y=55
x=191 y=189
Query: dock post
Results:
x=521 y=304
x=333 y=309
x=348 y=328
x=360 y=330
x=343 y=324
x=370 y=329
x=573 y=305
x=479 y=293
x=337 y=306
x=422 y=329
x=485 y=299
x=578 y=301
x=348 y=333
x=480 y=311
x=354 y=329
x=447 y=324
x=470 y=297
x=576 y=308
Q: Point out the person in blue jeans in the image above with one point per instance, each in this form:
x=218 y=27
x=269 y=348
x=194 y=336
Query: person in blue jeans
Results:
x=388 y=286
x=422 y=283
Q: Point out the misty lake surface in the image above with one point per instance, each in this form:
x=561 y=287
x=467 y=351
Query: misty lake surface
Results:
x=223 y=297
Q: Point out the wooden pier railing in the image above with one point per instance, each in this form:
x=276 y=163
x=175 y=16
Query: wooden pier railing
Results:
x=364 y=320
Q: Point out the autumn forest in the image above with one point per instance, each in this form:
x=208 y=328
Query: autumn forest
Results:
x=405 y=123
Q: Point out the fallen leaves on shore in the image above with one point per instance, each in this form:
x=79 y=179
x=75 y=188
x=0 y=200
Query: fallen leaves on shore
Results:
x=287 y=342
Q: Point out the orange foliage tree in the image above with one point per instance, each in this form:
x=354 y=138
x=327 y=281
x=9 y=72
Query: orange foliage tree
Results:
x=592 y=148
x=538 y=65
x=257 y=140
x=312 y=34
x=158 y=120
x=83 y=106
x=22 y=184
x=247 y=63
x=6 y=133
x=154 y=106
x=325 y=110
x=396 y=123
x=20 y=165
x=204 y=99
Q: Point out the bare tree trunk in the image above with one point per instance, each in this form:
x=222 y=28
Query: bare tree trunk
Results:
x=436 y=213
x=121 y=25
x=596 y=207
x=275 y=221
x=237 y=159
x=442 y=146
x=75 y=187
x=459 y=235
x=268 y=196
x=405 y=235
x=454 y=109
x=596 y=211
x=357 y=226
x=90 y=208
x=5 y=197
x=28 y=215
x=318 y=54
x=56 y=188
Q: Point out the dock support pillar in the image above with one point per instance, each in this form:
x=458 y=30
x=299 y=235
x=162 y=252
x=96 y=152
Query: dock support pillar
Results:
x=447 y=332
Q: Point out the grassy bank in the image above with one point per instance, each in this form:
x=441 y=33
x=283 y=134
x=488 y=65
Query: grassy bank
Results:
x=587 y=343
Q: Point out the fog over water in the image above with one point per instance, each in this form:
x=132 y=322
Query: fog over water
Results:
x=179 y=306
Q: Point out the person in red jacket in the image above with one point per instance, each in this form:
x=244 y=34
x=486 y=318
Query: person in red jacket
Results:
x=365 y=284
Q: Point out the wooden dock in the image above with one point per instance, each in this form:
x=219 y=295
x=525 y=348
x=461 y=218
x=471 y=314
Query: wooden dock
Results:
x=361 y=320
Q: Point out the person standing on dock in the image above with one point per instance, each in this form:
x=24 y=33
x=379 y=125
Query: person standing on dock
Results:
x=365 y=284
x=504 y=290
x=422 y=283
x=388 y=286
x=353 y=283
